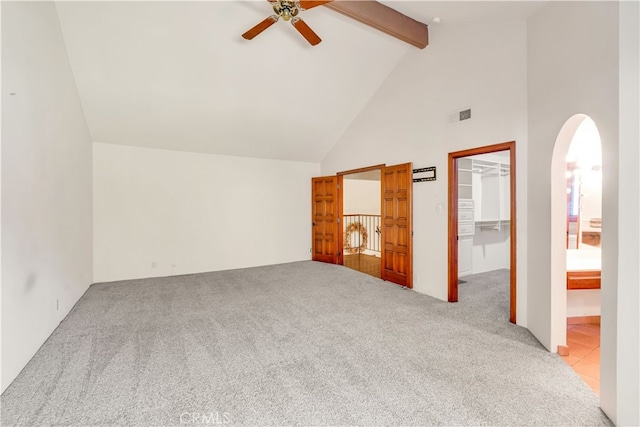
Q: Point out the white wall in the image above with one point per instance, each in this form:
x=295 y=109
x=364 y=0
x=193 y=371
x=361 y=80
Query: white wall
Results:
x=160 y=212
x=583 y=302
x=491 y=243
x=409 y=120
x=46 y=184
x=591 y=200
x=361 y=196
x=491 y=248
x=624 y=362
x=574 y=57
x=568 y=42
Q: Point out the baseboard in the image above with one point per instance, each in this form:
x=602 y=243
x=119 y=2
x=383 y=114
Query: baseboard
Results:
x=581 y=320
x=563 y=350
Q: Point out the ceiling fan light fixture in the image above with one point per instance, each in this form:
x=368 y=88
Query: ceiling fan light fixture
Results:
x=286 y=9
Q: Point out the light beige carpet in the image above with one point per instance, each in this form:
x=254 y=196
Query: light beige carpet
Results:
x=295 y=344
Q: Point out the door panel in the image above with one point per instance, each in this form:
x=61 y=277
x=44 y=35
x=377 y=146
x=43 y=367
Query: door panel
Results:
x=397 y=253
x=324 y=203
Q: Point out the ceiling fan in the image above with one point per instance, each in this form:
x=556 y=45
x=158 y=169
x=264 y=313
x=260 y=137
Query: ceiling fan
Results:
x=368 y=12
x=288 y=10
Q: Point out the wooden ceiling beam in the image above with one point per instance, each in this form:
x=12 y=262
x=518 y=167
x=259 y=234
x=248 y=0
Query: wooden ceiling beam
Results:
x=385 y=19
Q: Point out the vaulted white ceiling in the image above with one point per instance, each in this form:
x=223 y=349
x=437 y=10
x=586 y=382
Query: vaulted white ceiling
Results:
x=178 y=75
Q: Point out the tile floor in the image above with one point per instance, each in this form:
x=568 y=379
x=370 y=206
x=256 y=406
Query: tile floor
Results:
x=583 y=341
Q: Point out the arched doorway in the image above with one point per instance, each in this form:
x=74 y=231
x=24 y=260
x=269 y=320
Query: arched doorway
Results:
x=576 y=212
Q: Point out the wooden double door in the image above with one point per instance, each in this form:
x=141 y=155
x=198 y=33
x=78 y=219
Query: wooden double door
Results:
x=396 y=221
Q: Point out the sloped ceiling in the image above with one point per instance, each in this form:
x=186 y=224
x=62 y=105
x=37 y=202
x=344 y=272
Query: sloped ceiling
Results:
x=178 y=75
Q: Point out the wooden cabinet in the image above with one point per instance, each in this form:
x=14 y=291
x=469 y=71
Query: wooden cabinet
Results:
x=591 y=238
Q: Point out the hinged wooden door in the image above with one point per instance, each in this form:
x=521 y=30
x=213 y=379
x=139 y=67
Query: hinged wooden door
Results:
x=397 y=254
x=324 y=218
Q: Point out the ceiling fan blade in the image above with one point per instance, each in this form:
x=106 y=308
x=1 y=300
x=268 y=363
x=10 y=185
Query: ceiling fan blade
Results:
x=260 y=27
x=306 y=31
x=305 y=5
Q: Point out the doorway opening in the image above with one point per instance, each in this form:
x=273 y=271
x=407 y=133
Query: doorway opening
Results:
x=396 y=221
x=576 y=227
x=482 y=222
x=361 y=226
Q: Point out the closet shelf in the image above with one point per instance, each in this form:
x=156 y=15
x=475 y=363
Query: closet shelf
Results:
x=492 y=224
